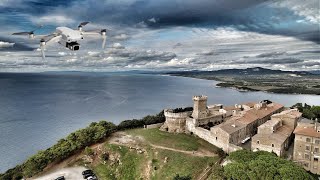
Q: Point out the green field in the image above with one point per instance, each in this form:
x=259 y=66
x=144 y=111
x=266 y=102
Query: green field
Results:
x=157 y=163
x=177 y=141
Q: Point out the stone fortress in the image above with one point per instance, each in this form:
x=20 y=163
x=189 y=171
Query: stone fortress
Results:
x=225 y=127
x=264 y=125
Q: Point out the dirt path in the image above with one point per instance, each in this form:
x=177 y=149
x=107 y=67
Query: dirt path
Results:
x=192 y=153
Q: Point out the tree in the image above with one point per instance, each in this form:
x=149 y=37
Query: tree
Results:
x=178 y=177
x=262 y=165
x=307 y=113
x=88 y=151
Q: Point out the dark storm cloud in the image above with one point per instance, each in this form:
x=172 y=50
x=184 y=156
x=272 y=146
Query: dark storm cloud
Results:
x=248 y=15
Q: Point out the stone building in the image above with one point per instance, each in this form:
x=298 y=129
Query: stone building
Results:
x=232 y=125
x=275 y=135
x=241 y=127
x=203 y=114
x=175 y=121
x=224 y=127
x=306 y=146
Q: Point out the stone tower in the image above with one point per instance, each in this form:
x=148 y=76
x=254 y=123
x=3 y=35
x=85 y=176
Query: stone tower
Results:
x=200 y=109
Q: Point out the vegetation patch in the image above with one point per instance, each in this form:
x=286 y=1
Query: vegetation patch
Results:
x=182 y=164
x=177 y=141
x=310 y=112
x=125 y=164
x=247 y=165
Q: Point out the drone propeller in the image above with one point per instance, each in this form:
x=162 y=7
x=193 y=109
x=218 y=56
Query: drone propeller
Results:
x=82 y=24
x=30 y=33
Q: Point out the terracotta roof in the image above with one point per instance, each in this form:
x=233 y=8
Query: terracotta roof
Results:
x=231 y=108
x=250 y=104
x=306 y=131
x=254 y=114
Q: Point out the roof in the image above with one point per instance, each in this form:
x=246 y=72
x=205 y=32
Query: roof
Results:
x=270 y=123
x=232 y=126
x=294 y=113
x=305 y=120
x=250 y=104
x=229 y=108
x=306 y=131
x=255 y=114
x=279 y=136
x=241 y=120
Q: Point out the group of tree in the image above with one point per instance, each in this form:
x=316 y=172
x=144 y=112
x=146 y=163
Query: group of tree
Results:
x=178 y=110
x=139 y=123
x=179 y=177
x=308 y=111
x=247 y=165
x=75 y=142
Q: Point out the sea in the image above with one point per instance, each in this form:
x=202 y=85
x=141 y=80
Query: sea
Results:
x=37 y=109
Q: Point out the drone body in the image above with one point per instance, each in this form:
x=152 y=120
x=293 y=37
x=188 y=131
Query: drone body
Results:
x=66 y=37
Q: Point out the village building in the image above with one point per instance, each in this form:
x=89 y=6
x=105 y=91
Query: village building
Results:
x=225 y=127
x=306 y=145
x=276 y=135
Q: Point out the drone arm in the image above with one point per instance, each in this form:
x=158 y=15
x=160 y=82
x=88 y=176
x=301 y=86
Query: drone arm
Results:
x=47 y=40
x=101 y=32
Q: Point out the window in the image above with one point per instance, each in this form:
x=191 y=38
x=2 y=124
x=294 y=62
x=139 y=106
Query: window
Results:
x=258 y=142
x=216 y=138
x=315 y=160
x=308 y=148
x=272 y=145
x=307 y=156
x=308 y=139
x=317 y=141
x=316 y=150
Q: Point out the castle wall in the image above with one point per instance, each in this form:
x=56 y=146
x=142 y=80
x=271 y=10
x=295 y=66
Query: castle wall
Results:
x=214 y=136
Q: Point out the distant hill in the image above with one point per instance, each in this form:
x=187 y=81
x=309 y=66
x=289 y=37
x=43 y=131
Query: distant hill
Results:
x=248 y=71
x=315 y=72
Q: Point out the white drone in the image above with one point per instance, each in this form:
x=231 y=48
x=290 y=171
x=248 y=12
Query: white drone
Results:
x=65 y=36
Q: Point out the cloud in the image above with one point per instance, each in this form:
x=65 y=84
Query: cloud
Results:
x=121 y=37
x=167 y=34
x=6 y=44
x=52 y=19
x=117 y=46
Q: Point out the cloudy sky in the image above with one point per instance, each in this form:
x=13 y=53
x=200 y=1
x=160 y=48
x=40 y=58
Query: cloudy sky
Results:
x=165 y=34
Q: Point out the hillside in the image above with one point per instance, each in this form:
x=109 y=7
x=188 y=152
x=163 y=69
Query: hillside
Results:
x=145 y=154
x=261 y=79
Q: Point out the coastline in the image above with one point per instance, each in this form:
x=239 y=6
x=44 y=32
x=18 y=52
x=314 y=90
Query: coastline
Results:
x=260 y=87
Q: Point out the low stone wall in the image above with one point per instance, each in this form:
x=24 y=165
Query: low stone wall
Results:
x=153 y=126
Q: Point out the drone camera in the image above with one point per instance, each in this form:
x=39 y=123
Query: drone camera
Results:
x=74 y=46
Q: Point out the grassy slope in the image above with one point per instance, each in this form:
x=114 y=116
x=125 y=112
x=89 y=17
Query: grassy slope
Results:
x=134 y=165
x=177 y=141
